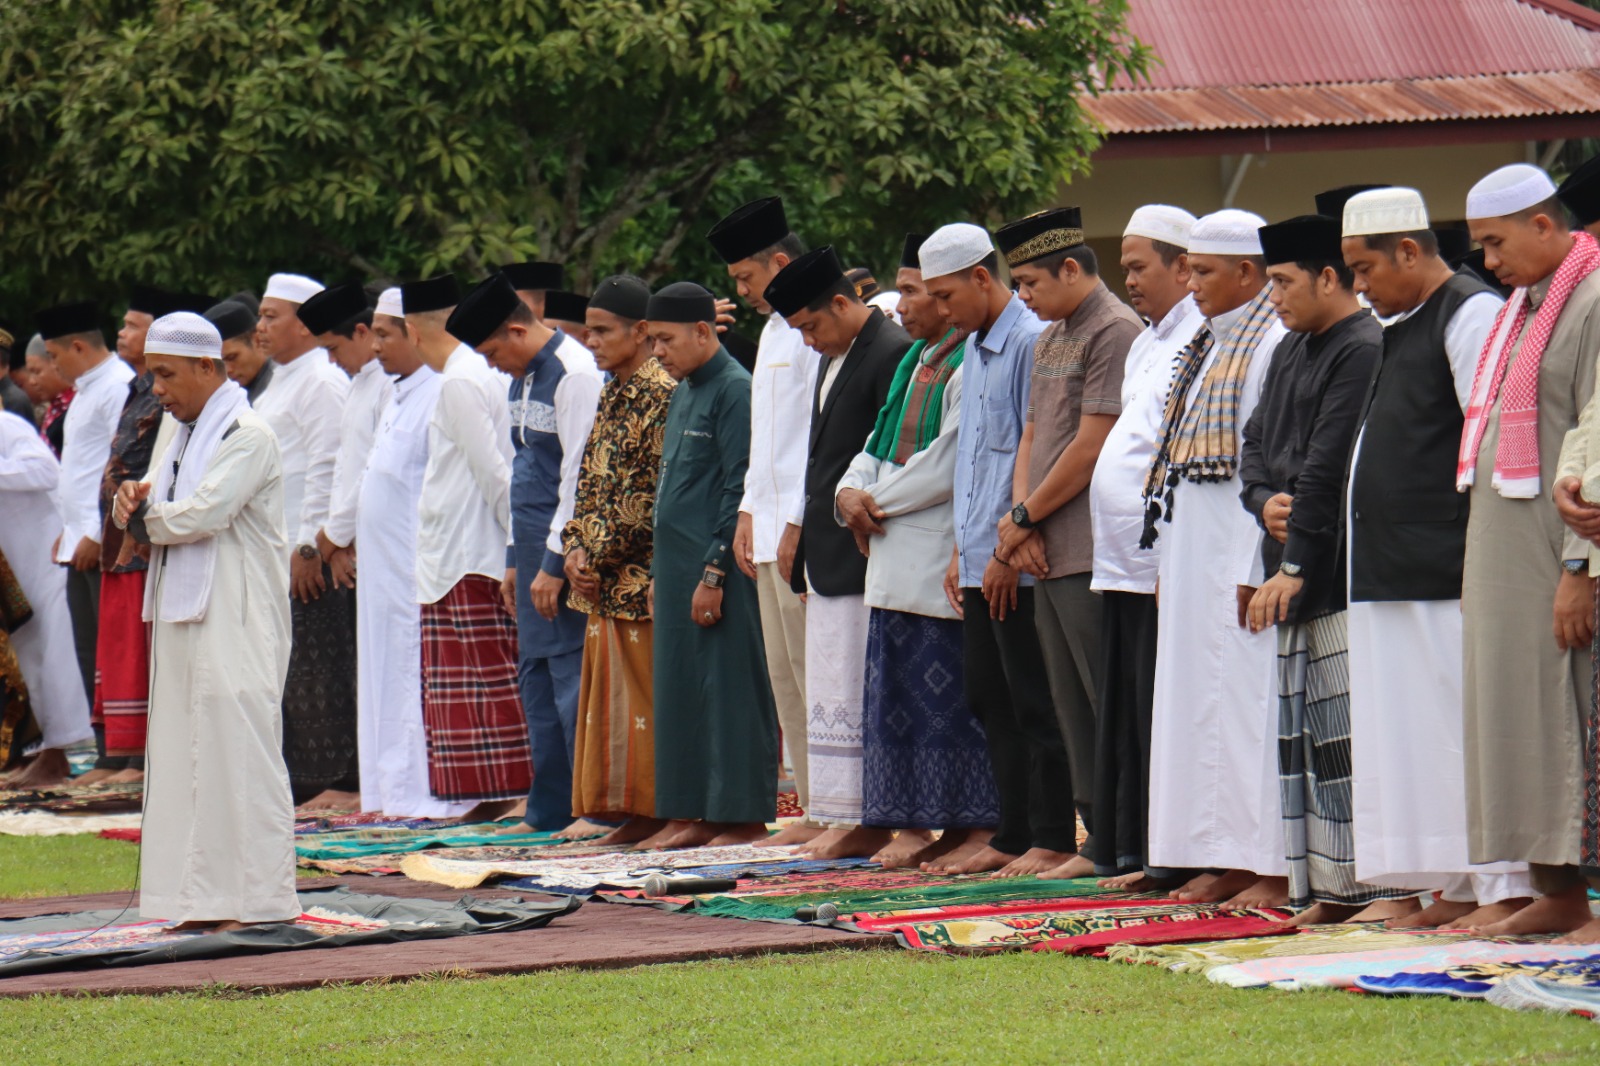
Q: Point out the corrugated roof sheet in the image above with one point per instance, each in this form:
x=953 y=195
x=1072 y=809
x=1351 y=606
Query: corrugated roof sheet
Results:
x=1211 y=43
x=1413 y=100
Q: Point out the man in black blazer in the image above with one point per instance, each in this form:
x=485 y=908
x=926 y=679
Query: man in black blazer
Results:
x=860 y=351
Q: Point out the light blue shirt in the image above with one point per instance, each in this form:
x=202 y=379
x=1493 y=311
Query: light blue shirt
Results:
x=997 y=372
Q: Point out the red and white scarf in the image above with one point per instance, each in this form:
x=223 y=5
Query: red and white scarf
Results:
x=1516 y=457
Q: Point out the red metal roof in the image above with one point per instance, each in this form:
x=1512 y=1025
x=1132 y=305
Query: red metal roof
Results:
x=1241 y=64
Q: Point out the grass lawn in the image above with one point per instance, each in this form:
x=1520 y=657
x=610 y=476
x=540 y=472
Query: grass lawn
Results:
x=845 y=1007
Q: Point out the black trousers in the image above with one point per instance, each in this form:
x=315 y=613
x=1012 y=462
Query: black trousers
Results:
x=83 y=604
x=1008 y=692
x=1126 y=684
x=319 y=694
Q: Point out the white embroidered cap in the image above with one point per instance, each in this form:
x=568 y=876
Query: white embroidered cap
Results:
x=1393 y=210
x=183 y=333
x=958 y=246
x=295 y=288
x=1226 y=232
x=389 y=303
x=1161 y=222
x=1509 y=190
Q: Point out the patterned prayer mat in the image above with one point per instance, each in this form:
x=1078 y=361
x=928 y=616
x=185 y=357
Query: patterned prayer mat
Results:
x=52 y=824
x=362 y=843
x=101 y=797
x=331 y=917
x=1533 y=993
x=609 y=868
x=1312 y=941
x=1470 y=970
x=1227 y=927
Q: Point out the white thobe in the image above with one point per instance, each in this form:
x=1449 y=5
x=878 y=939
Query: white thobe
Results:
x=1214 y=731
x=393 y=745
x=304 y=405
x=464 y=513
x=781 y=391
x=370 y=391
x=43 y=644
x=218 y=820
x=91 y=422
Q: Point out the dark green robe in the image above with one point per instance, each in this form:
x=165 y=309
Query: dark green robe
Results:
x=715 y=722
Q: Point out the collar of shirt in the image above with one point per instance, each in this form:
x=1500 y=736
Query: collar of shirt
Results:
x=1179 y=312
x=1226 y=321
x=1330 y=336
x=368 y=369
x=542 y=358
x=994 y=340
x=287 y=372
x=707 y=370
x=1087 y=305
x=98 y=372
x=1539 y=290
x=405 y=386
x=460 y=359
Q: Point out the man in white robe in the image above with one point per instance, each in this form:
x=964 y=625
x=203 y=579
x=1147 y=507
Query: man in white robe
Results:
x=1213 y=753
x=218 y=849
x=393 y=743
x=43 y=645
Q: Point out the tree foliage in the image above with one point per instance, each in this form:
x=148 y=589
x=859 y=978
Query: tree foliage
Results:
x=198 y=143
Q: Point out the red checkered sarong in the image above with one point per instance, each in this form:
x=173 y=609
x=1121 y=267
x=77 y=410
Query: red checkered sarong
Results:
x=471 y=709
x=122 y=663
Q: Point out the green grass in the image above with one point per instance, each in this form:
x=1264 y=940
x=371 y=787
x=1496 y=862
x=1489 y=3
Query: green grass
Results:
x=841 y=1007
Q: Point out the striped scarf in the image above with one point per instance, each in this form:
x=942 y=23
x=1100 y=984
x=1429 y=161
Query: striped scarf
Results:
x=1200 y=441
x=886 y=434
x=1516 y=455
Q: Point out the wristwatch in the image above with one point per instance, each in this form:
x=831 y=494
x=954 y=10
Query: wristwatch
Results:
x=1290 y=569
x=307 y=551
x=1019 y=517
x=1574 y=566
x=711 y=579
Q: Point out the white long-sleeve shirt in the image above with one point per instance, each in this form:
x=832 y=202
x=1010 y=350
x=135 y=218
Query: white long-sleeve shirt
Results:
x=370 y=391
x=304 y=405
x=781 y=391
x=464 y=514
x=91 y=422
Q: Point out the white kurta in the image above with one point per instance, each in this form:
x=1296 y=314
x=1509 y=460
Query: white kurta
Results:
x=1214 y=732
x=90 y=423
x=370 y=391
x=304 y=405
x=43 y=644
x=781 y=390
x=218 y=820
x=392 y=742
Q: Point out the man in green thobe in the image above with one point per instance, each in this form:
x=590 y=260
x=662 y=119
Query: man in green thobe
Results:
x=716 y=724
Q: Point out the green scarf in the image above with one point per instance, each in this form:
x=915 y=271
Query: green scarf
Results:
x=886 y=434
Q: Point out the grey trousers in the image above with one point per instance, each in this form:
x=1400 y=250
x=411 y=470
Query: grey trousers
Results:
x=1068 y=617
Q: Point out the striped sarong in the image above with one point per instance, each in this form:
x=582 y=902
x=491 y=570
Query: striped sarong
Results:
x=471 y=709
x=614 y=754
x=122 y=663
x=1314 y=776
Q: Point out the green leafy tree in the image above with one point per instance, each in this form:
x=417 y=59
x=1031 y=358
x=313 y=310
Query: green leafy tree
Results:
x=204 y=144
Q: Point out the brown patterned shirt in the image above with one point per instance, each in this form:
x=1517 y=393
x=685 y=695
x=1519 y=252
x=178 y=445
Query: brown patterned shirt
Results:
x=616 y=496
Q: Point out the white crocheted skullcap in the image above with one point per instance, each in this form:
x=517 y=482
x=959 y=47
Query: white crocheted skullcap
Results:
x=183 y=333
x=1509 y=190
x=1161 y=222
x=295 y=288
x=958 y=246
x=389 y=303
x=1377 y=211
x=1226 y=232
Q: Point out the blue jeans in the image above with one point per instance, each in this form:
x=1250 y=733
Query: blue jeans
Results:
x=550 y=701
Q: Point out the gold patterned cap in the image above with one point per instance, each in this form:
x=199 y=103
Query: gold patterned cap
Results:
x=1041 y=234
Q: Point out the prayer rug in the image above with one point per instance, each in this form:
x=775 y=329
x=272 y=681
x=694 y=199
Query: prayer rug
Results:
x=625 y=869
x=1532 y=993
x=101 y=797
x=1316 y=940
x=51 y=824
x=371 y=865
x=1208 y=930
x=1469 y=971
x=789 y=806
x=331 y=917
x=1340 y=970
x=882 y=892
x=364 y=842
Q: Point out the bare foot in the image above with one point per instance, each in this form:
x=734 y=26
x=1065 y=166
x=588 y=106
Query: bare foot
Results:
x=126 y=777
x=582 y=829
x=330 y=801
x=793 y=833
x=1071 y=870
x=1587 y=933
x=663 y=837
x=731 y=833
x=1215 y=888
x=93 y=777
x=856 y=843
x=1321 y=914
x=1489 y=913
x=520 y=829
x=693 y=835
x=946 y=861
x=1265 y=892
x=1033 y=862
x=1386 y=910
x=823 y=839
x=49 y=769
x=970 y=858
x=195 y=927
x=487 y=811
x=1138 y=881
x=1441 y=912
x=905 y=849
x=1562 y=912
x=632 y=831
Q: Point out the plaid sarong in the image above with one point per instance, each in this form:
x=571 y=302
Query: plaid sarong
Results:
x=1314 y=770
x=471 y=710
x=122 y=663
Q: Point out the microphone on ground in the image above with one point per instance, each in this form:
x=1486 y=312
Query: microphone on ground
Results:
x=657 y=885
x=822 y=912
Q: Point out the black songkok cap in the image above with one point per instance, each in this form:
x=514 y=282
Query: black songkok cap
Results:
x=534 y=276
x=67 y=319
x=434 y=294
x=1454 y=244
x=804 y=281
x=755 y=227
x=567 y=306
x=1039 y=235
x=1581 y=192
x=331 y=308
x=481 y=312
x=682 y=301
x=232 y=318
x=1331 y=203
x=908 y=252
x=623 y=295
x=1302 y=239
x=149 y=300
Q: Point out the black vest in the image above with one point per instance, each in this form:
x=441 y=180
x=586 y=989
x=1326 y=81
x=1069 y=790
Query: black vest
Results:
x=1408 y=524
